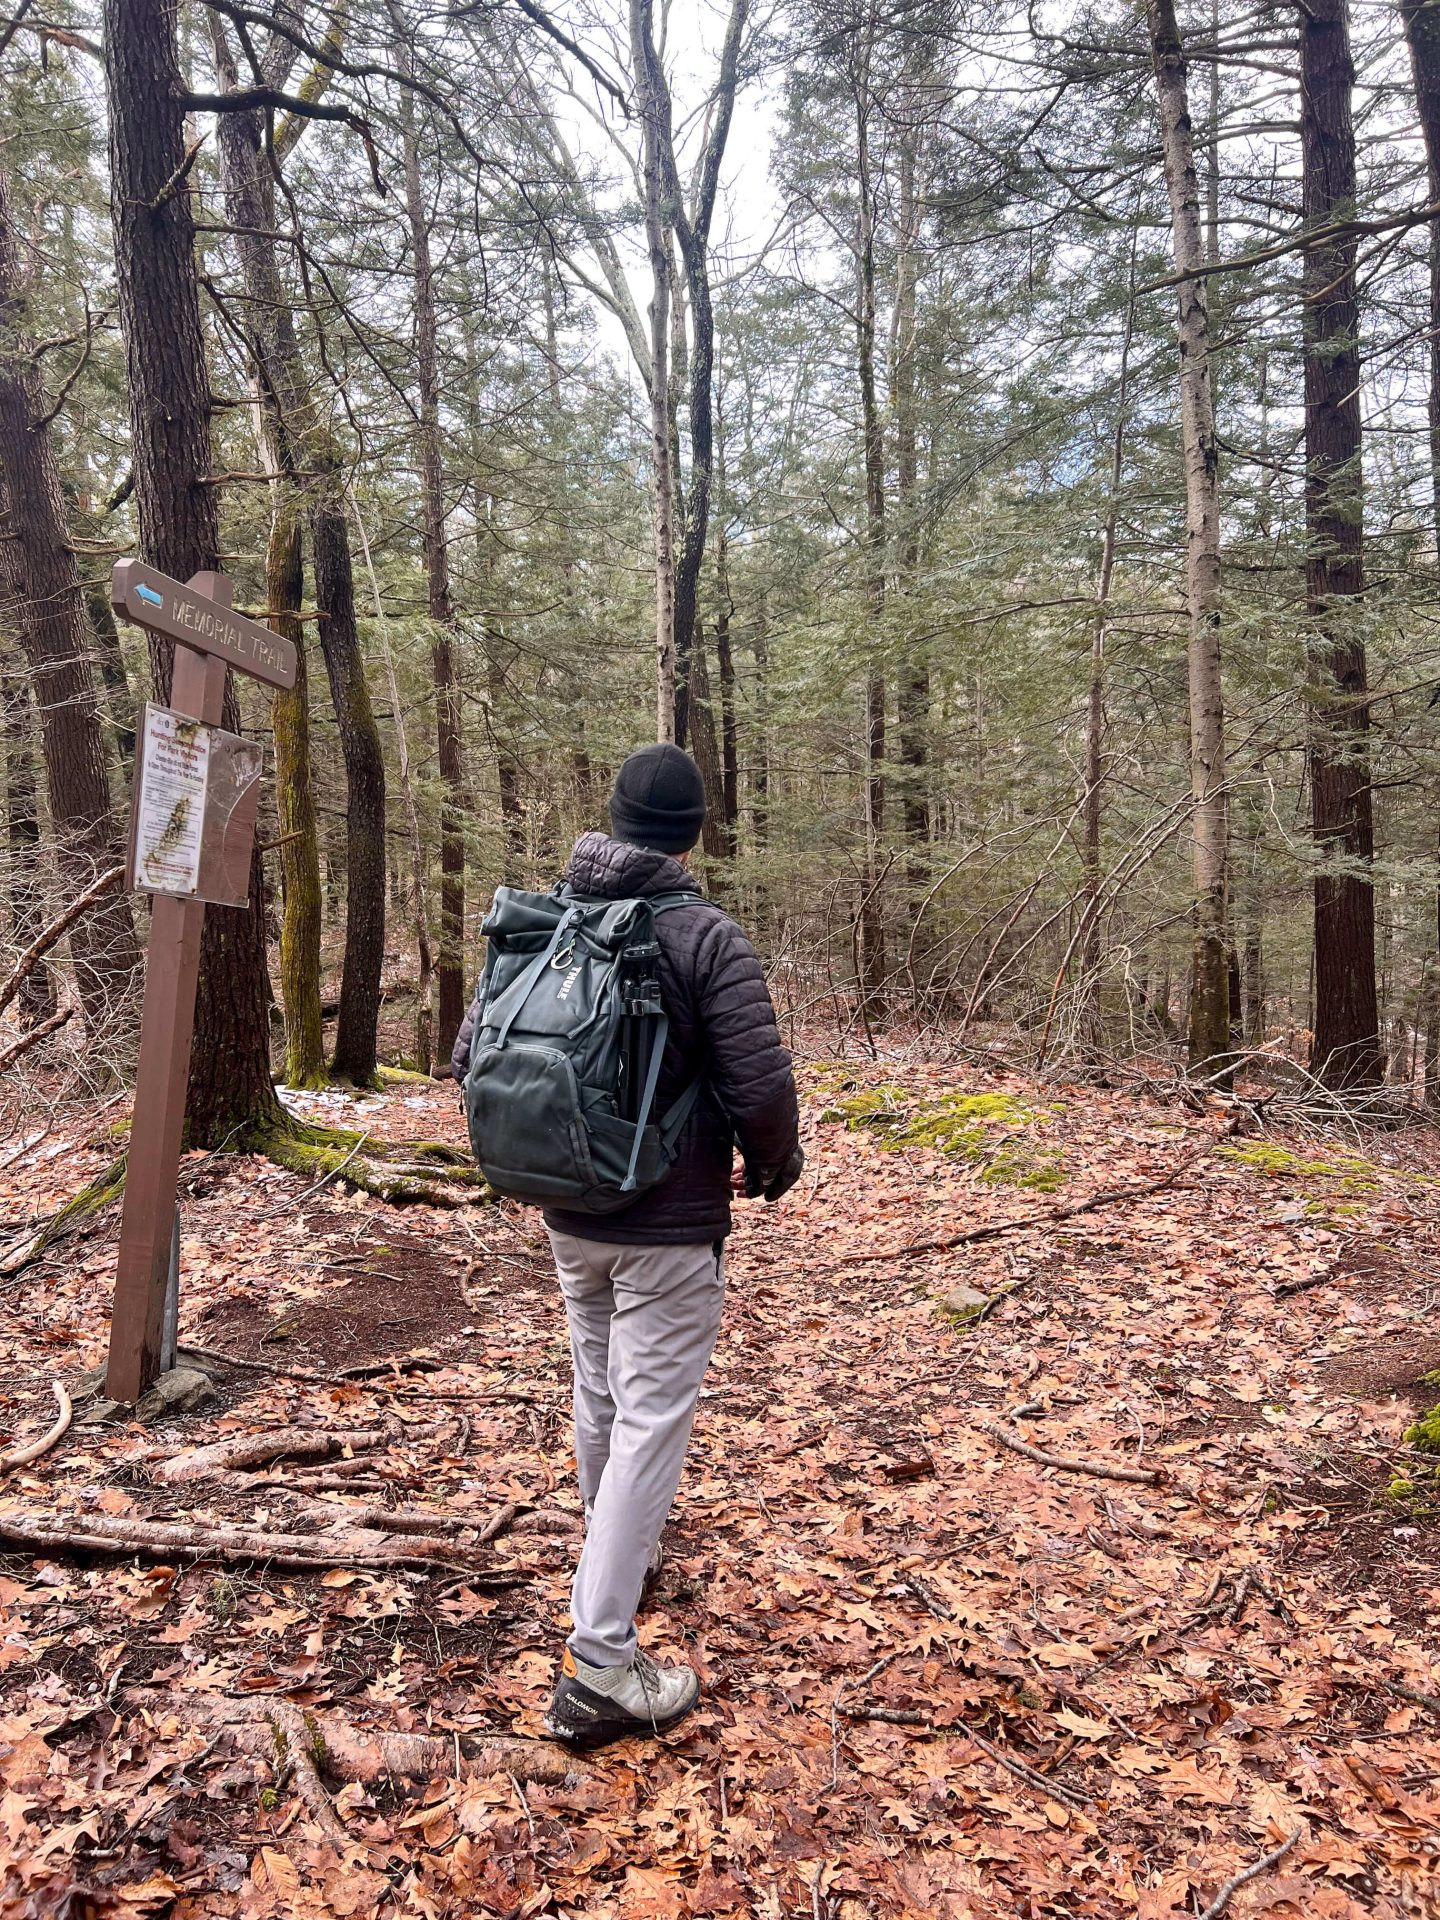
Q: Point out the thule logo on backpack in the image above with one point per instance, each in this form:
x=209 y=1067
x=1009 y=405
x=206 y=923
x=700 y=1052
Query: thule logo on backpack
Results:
x=567 y=983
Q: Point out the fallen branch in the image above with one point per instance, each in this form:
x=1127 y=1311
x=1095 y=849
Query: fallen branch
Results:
x=259 y=1449
x=22 y=1456
x=1430 y=1700
x=346 y=1752
x=50 y=936
x=901 y=1717
x=1232 y=1886
x=1066 y=1463
x=362 y=1548
x=18 y=1048
x=1112 y=1197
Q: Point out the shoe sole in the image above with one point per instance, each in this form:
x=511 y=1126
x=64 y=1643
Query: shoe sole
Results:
x=604 y=1733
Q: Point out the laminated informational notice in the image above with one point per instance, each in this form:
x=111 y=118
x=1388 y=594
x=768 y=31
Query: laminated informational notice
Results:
x=197 y=792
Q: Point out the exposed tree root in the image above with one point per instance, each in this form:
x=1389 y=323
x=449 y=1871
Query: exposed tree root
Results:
x=223 y=1457
x=348 y=1545
x=74 y=1217
x=430 y=1173
x=22 y=1456
x=307 y=1748
x=345 y=1752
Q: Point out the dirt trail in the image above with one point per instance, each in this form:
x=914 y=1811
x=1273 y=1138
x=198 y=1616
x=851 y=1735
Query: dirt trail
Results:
x=1103 y=1698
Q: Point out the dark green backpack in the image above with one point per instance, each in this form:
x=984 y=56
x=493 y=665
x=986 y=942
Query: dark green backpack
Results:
x=566 y=1051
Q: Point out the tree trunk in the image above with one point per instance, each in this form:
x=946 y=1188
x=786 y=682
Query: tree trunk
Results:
x=1093 y=806
x=295 y=809
x=913 y=690
x=1347 y=1050
x=424 y=1026
x=113 y=677
x=692 y=232
x=705 y=746
x=652 y=103
x=1422 y=30
x=359 y=1014
x=872 y=916
x=230 y=1093
x=40 y=565
x=280 y=398
x=37 y=999
x=450 y=967
x=729 y=725
x=1210 y=990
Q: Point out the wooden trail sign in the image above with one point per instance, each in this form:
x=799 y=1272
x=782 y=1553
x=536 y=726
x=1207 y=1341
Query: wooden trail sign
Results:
x=197 y=615
x=209 y=637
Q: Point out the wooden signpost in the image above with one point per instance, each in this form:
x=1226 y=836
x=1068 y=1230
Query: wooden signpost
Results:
x=209 y=638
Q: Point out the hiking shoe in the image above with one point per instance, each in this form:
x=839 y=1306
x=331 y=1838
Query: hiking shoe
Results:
x=595 y=1705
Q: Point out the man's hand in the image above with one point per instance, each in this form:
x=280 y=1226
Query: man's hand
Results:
x=773 y=1181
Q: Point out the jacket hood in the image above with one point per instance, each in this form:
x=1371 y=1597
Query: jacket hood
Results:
x=609 y=869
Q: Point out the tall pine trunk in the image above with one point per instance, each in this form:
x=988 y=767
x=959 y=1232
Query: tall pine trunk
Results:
x=359 y=1013
x=1347 y=1052
x=231 y=1093
x=450 y=967
x=250 y=203
x=652 y=104
x=54 y=633
x=1209 y=1038
x=1422 y=30
x=872 y=915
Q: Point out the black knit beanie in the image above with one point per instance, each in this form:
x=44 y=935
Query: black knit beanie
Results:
x=658 y=800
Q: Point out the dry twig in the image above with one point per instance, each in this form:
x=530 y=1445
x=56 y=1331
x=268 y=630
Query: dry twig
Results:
x=1066 y=1463
x=1232 y=1886
x=902 y=1717
x=1112 y=1197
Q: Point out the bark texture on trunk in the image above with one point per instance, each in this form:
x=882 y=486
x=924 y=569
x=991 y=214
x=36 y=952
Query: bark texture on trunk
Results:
x=1347 y=1051
x=450 y=960
x=1209 y=1037
x=280 y=401
x=872 y=912
x=231 y=1093
x=913 y=688
x=40 y=569
x=359 y=1014
x=653 y=106
x=692 y=233
x=295 y=808
x=1422 y=31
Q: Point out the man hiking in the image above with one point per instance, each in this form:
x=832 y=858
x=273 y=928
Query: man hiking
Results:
x=644 y=1284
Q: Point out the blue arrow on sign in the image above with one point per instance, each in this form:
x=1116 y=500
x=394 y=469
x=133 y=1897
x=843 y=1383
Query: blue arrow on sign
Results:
x=149 y=593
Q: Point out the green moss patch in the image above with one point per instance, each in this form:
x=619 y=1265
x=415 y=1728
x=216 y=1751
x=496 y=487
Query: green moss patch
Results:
x=1349 y=1171
x=977 y=1127
x=1425 y=1434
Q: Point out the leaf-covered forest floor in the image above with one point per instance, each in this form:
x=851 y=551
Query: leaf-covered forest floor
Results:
x=1106 y=1696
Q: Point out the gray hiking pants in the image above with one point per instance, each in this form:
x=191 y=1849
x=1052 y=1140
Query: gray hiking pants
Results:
x=643 y=1322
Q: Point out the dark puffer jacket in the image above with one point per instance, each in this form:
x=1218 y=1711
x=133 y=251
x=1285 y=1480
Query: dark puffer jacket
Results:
x=722 y=1026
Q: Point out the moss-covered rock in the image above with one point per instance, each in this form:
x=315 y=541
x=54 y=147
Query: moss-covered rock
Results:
x=1425 y=1434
